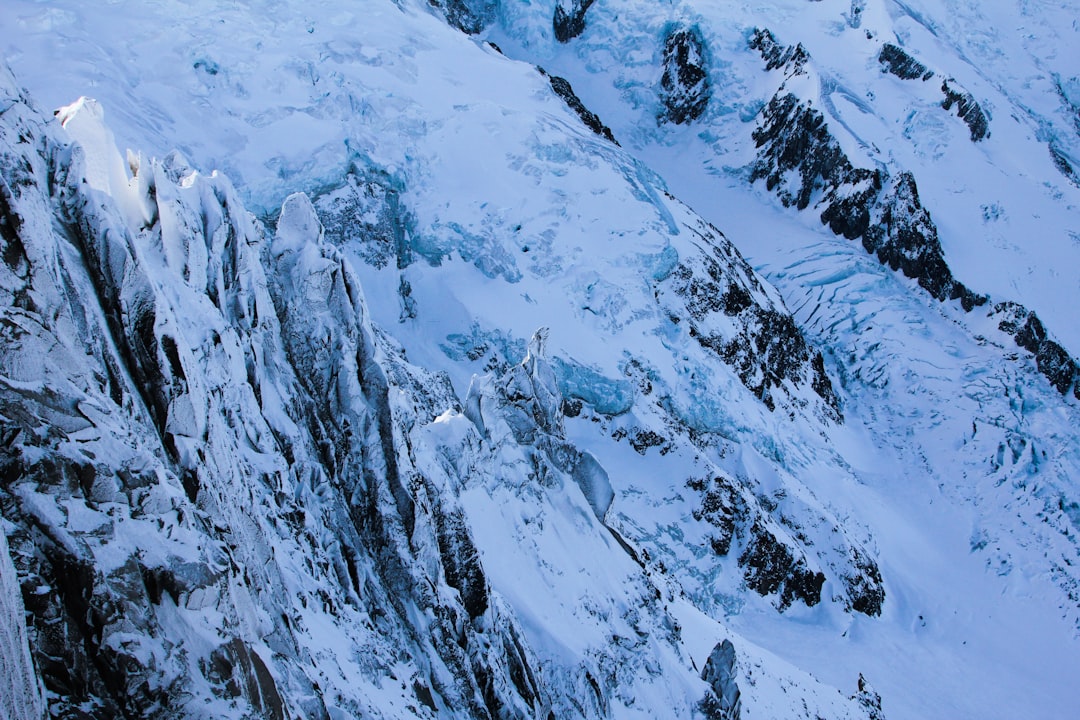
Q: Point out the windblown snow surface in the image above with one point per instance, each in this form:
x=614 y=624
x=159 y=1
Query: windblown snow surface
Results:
x=805 y=452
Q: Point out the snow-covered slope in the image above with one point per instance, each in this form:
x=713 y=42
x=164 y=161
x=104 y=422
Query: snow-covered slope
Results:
x=236 y=495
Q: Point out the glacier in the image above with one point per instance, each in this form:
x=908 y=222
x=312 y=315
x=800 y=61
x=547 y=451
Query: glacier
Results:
x=378 y=380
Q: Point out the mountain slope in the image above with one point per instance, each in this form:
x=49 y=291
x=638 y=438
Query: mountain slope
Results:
x=230 y=495
x=867 y=472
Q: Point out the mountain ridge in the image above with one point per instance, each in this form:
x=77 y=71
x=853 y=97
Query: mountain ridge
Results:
x=711 y=486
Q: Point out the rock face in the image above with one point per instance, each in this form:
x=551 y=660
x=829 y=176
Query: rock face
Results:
x=766 y=349
x=20 y=691
x=1052 y=360
x=569 y=23
x=791 y=59
x=869 y=699
x=898 y=62
x=684 y=85
x=794 y=142
x=216 y=456
x=803 y=163
x=469 y=16
x=562 y=88
x=723 y=702
x=967 y=108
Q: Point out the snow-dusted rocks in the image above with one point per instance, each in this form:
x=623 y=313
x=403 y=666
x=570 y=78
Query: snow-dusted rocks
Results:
x=325 y=530
x=20 y=687
x=967 y=107
x=723 y=702
x=684 y=86
x=223 y=504
x=562 y=88
x=895 y=60
x=568 y=21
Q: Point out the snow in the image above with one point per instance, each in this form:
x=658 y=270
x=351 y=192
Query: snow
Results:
x=20 y=688
x=955 y=464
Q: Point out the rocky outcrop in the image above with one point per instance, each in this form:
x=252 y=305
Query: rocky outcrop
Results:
x=563 y=89
x=800 y=160
x=773 y=558
x=20 y=690
x=898 y=62
x=1051 y=358
x=791 y=59
x=895 y=60
x=967 y=108
x=569 y=23
x=903 y=236
x=803 y=164
x=469 y=16
x=869 y=699
x=723 y=700
x=684 y=85
x=212 y=502
x=728 y=313
x=1062 y=163
x=770 y=567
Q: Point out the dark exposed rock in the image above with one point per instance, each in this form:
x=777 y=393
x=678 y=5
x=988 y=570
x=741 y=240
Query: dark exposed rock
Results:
x=767 y=349
x=469 y=16
x=568 y=24
x=794 y=141
x=792 y=59
x=895 y=60
x=1061 y=162
x=642 y=440
x=461 y=560
x=869 y=699
x=865 y=590
x=684 y=86
x=722 y=506
x=723 y=701
x=793 y=137
x=967 y=108
x=775 y=564
x=905 y=238
x=1052 y=359
x=562 y=88
x=770 y=566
